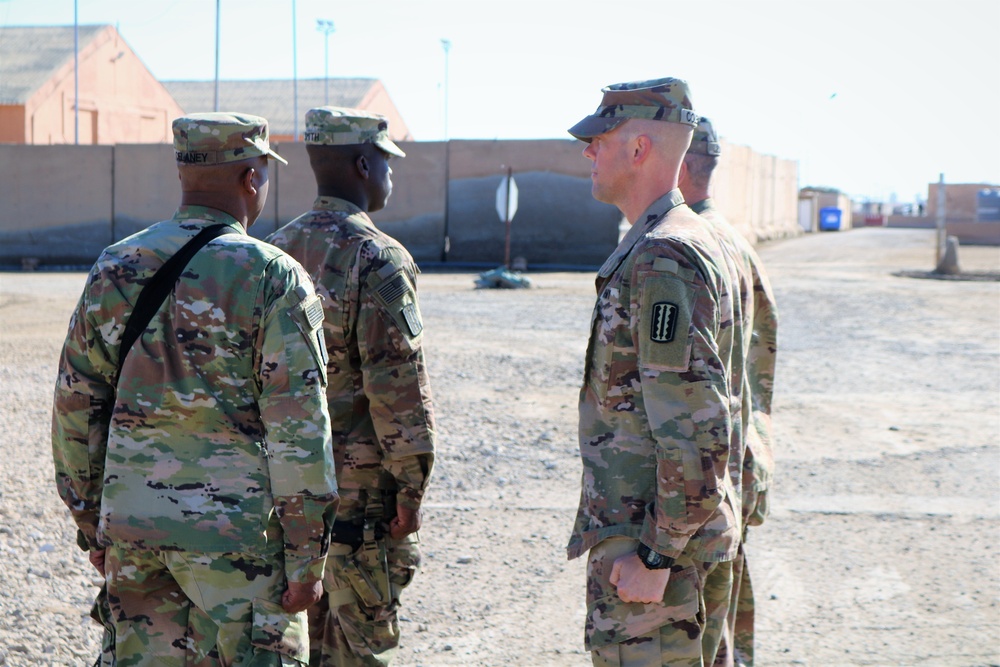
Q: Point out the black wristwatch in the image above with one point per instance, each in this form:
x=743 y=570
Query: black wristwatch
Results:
x=653 y=560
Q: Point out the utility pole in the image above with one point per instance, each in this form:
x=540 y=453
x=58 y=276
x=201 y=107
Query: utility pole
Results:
x=217 y=15
x=76 y=72
x=446 y=44
x=295 y=74
x=325 y=26
x=939 y=250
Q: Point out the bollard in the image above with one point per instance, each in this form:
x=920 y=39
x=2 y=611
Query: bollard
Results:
x=948 y=264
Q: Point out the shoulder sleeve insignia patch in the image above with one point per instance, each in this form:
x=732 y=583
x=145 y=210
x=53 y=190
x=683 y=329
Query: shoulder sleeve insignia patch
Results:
x=412 y=318
x=666 y=304
x=664 y=322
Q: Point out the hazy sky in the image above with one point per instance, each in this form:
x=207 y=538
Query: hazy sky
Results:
x=874 y=97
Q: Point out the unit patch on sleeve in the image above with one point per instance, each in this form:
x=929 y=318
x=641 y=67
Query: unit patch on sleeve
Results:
x=666 y=303
x=664 y=322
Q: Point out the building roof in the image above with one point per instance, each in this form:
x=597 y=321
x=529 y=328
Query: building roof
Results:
x=271 y=98
x=31 y=55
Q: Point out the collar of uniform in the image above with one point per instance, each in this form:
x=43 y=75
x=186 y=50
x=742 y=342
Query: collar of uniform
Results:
x=702 y=205
x=336 y=204
x=210 y=216
x=656 y=210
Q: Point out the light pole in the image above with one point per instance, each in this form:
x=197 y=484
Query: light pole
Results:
x=325 y=26
x=217 y=12
x=446 y=44
x=76 y=73
x=295 y=75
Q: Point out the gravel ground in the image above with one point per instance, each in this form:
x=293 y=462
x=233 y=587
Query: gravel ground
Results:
x=882 y=545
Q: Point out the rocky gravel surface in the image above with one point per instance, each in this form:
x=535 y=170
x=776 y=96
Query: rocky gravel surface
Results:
x=882 y=545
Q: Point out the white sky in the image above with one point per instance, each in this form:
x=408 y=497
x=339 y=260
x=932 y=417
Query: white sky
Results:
x=875 y=97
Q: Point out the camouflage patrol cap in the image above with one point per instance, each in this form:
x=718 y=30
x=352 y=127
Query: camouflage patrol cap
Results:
x=340 y=126
x=665 y=99
x=218 y=138
x=705 y=141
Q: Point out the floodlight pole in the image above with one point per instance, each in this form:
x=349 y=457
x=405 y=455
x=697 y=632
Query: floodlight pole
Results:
x=446 y=44
x=215 y=106
x=295 y=74
x=326 y=26
x=76 y=72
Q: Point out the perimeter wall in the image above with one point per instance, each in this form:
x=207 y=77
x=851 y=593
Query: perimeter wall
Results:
x=61 y=205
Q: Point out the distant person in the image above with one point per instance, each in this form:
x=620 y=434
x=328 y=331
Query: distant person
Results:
x=760 y=316
x=379 y=393
x=659 y=510
x=196 y=462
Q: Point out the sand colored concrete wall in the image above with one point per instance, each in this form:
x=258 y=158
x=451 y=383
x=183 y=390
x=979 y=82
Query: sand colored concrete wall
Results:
x=55 y=203
x=108 y=194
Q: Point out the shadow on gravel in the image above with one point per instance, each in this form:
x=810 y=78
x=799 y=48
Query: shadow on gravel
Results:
x=973 y=276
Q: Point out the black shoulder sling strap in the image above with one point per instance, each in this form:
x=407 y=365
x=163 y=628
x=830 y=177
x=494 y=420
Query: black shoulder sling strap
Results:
x=161 y=284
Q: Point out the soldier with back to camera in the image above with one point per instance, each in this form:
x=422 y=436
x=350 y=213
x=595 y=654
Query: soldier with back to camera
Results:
x=379 y=394
x=190 y=431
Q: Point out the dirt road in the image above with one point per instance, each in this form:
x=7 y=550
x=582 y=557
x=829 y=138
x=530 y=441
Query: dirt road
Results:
x=881 y=549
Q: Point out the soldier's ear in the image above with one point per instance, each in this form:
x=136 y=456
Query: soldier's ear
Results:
x=361 y=162
x=247 y=180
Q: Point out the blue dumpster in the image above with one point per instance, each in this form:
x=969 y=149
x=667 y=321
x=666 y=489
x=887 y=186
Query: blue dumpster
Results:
x=829 y=219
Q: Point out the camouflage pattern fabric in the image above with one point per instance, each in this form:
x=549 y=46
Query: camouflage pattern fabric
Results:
x=219 y=138
x=213 y=436
x=677 y=631
x=656 y=410
x=761 y=318
x=342 y=126
x=100 y=613
x=379 y=393
x=357 y=633
x=218 y=427
x=761 y=314
x=184 y=608
x=666 y=99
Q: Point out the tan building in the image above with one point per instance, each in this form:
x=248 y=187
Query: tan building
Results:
x=274 y=99
x=120 y=100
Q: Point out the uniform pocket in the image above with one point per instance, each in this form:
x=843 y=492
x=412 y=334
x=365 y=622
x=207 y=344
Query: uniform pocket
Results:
x=277 y=631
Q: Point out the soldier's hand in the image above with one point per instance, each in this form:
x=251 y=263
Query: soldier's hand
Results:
x=637 y=583
x=97 y=560
x=407 y=521
x=300 y=597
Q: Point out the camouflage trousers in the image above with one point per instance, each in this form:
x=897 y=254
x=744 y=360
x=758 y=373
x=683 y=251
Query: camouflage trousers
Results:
x=685 y=629
x=742 y=612
x=174 y=608
x=355 y=623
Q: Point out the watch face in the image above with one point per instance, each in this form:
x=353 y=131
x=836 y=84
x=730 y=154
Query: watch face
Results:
x=653 y=559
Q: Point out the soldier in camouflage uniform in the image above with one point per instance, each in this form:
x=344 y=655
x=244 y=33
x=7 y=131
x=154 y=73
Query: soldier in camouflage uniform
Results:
x=660 y=511
x=379 y=395
x=198 y=467
x=761 y=319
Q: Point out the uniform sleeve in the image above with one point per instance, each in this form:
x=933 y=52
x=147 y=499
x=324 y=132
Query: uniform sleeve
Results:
x=761 y=361
x=292 y=376
x=390 y=338
x=81 y=415
x=685 y=392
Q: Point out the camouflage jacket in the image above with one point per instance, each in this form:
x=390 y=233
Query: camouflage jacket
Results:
x=761 y=319
x=379 y=395
x=656 y=412
x=213 y=436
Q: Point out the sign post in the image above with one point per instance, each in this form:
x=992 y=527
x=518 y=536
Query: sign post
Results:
x=506 y=208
